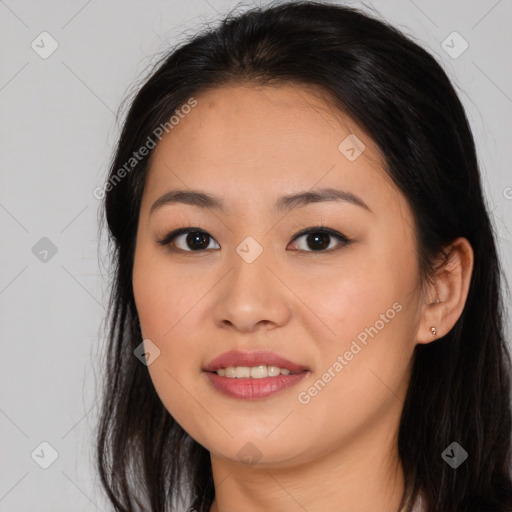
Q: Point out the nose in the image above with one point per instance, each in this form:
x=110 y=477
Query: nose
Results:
x=252 y=296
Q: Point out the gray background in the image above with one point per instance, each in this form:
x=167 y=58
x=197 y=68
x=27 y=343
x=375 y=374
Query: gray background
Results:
x=58 y=129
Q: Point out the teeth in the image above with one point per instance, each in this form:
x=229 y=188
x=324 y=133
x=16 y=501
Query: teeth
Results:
x=274 y=371
x=258 y=372
x=255 y=372
x=242 y=372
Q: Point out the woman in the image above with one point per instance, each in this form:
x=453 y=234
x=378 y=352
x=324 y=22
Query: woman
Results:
x=306 y=309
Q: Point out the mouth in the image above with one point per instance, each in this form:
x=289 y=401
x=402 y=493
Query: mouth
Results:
x=252 y=375
x=253 y=372
x=256 y=365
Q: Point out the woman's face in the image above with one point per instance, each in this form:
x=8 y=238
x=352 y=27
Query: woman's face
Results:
x=346 y=311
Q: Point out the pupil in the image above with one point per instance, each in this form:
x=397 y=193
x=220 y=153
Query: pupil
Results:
x=197 y=236
x=316 y=237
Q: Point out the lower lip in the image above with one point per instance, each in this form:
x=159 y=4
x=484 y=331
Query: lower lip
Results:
x=251 y=389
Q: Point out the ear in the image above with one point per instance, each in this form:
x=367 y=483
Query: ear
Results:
x=447 y=293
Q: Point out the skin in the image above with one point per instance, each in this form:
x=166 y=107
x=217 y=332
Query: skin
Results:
x=249 y=145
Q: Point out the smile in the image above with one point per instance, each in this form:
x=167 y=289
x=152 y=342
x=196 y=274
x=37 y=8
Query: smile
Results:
x=255 y=372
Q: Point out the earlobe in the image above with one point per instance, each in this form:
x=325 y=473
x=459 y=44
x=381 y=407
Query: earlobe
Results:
x=450 y=288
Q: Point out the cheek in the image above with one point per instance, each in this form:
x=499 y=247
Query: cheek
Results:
x=362 y=372
x=165 y=301
x=370 y=312
x=168 y=315
x=358 y=297
x=163 y=296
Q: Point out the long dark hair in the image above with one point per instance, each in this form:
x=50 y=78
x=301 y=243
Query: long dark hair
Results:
x=460 y=385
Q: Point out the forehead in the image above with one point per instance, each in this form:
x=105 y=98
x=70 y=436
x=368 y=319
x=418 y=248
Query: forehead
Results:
x=254 y=143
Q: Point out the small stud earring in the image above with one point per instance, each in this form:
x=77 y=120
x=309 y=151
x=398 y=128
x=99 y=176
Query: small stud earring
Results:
x=433 y=330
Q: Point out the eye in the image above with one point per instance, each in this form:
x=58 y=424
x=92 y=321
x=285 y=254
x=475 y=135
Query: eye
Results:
x=194 y=238
x=318 y=239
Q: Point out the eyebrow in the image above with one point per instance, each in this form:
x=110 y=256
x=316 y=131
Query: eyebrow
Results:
x=287 y=202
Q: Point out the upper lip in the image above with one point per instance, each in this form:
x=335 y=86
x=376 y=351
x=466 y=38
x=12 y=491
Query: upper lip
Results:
x=250 y=359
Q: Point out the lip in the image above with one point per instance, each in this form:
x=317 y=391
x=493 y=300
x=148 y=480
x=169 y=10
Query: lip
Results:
x=250 y=359
x=249 y=388
x=252 y=389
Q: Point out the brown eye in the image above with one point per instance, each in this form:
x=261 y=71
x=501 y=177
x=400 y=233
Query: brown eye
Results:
x=320 y=240
x=190 y=239
x=195 y=240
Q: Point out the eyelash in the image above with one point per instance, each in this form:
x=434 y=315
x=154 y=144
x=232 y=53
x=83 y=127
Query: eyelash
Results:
x=316 y=230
